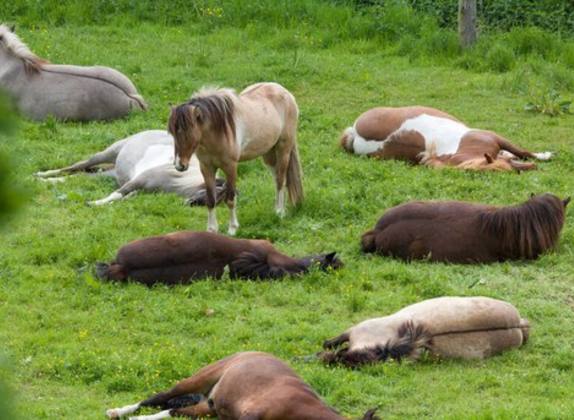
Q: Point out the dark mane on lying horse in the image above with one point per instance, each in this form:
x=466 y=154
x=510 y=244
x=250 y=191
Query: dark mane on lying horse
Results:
x=253 y=265
x=528 y=229
x=215 y=105
x=412 y=339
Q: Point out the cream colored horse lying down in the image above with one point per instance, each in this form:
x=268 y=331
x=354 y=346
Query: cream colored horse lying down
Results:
x=66 y=92
x=143 y=162
x=449 y=327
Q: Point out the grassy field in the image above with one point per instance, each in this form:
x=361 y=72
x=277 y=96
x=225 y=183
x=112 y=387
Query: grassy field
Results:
x=76 y=346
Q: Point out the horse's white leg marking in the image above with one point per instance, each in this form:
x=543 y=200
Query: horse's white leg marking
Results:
x=112 y=197
x=212 y=221
x=114 y=413
x=53 y=180
x=280 y=203
x=47 y=174
x=543 y=155
x=161 y=415
x=233 y=222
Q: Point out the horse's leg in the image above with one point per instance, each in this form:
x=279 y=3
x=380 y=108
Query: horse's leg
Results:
x=199 y=410
x=129 y=189
x=231 y=197
x=108 y=155
x=200 y=383
x=208 y=172
x=272 y=161
x=518 y=151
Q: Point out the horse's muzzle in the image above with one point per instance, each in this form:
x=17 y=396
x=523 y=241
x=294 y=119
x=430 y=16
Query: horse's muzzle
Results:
x=181 y=168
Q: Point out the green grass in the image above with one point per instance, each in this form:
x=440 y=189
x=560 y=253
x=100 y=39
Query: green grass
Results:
x=77 y=346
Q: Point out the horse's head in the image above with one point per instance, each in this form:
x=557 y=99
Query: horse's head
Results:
x=12 y=47
x=326 y=261
x=185 y=125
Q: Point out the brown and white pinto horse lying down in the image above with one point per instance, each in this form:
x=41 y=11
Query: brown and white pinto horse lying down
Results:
x=448 y=327
x=244 y=386
x=181 y=257
x=460 y=232
x=431 y=137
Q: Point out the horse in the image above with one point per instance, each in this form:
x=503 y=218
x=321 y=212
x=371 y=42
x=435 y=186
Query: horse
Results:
x=461 y=232
x=224 y=128
x=447 y=327
x=428 y=136
x=181 y=257
x=65 y=92
x=143 y=161
x=244 y=386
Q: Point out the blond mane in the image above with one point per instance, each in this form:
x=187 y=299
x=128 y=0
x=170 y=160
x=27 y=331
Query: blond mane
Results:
x=16 y=47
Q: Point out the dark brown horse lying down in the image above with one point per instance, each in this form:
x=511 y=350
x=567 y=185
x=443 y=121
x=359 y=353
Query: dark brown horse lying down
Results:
x=448 y=327
x=459 y=232
x=245 y=386
x=431 y=137
x=180 y=257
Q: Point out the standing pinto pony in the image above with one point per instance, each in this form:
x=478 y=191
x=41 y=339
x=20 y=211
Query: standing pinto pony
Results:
x=434 y=138
x=223 y=129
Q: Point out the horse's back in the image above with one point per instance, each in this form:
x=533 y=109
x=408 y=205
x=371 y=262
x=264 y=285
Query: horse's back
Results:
x=79 y=93
x=378 y=123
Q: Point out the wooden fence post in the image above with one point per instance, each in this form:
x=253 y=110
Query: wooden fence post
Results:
x=467 y=22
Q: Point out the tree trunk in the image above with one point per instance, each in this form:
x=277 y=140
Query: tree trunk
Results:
x=467 y=22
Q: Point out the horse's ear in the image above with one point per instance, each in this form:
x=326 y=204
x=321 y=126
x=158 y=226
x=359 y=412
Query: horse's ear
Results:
x=489 y=158
x=12 y=27
x=197 y=114
x=566 y=201
x=331 y=256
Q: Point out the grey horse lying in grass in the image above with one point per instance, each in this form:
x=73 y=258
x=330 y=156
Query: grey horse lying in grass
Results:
x=448 y=327
x=143 y=161
x=40 y=89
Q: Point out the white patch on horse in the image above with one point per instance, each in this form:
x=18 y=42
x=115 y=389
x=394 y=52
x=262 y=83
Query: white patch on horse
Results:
x=212 y=225
x=443 y=134
x=114 y=413
x=154 y=156
x=362 y=146
x=543 y=155
x=112 y=197
x=161 y=415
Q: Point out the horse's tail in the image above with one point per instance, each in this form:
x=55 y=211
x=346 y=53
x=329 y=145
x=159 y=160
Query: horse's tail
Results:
x=295 y=178
x=347 y=138
x=525 y=328
x=109 y=271
x=368 y=241
x=139 y=101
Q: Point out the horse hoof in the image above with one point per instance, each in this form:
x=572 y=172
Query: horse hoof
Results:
x=543 y=156
x=281 y=213
x=232 y=231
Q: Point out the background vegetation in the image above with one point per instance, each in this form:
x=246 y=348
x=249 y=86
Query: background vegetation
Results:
x=79 y=346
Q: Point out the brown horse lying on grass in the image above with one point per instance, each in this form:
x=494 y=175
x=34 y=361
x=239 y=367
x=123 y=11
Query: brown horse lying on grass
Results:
x=244 y=386
x=459 y=232
x=449 y=327
x=180 y=257
x=431 y=137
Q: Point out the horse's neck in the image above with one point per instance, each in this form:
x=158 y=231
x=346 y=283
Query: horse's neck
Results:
x=12 y=72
